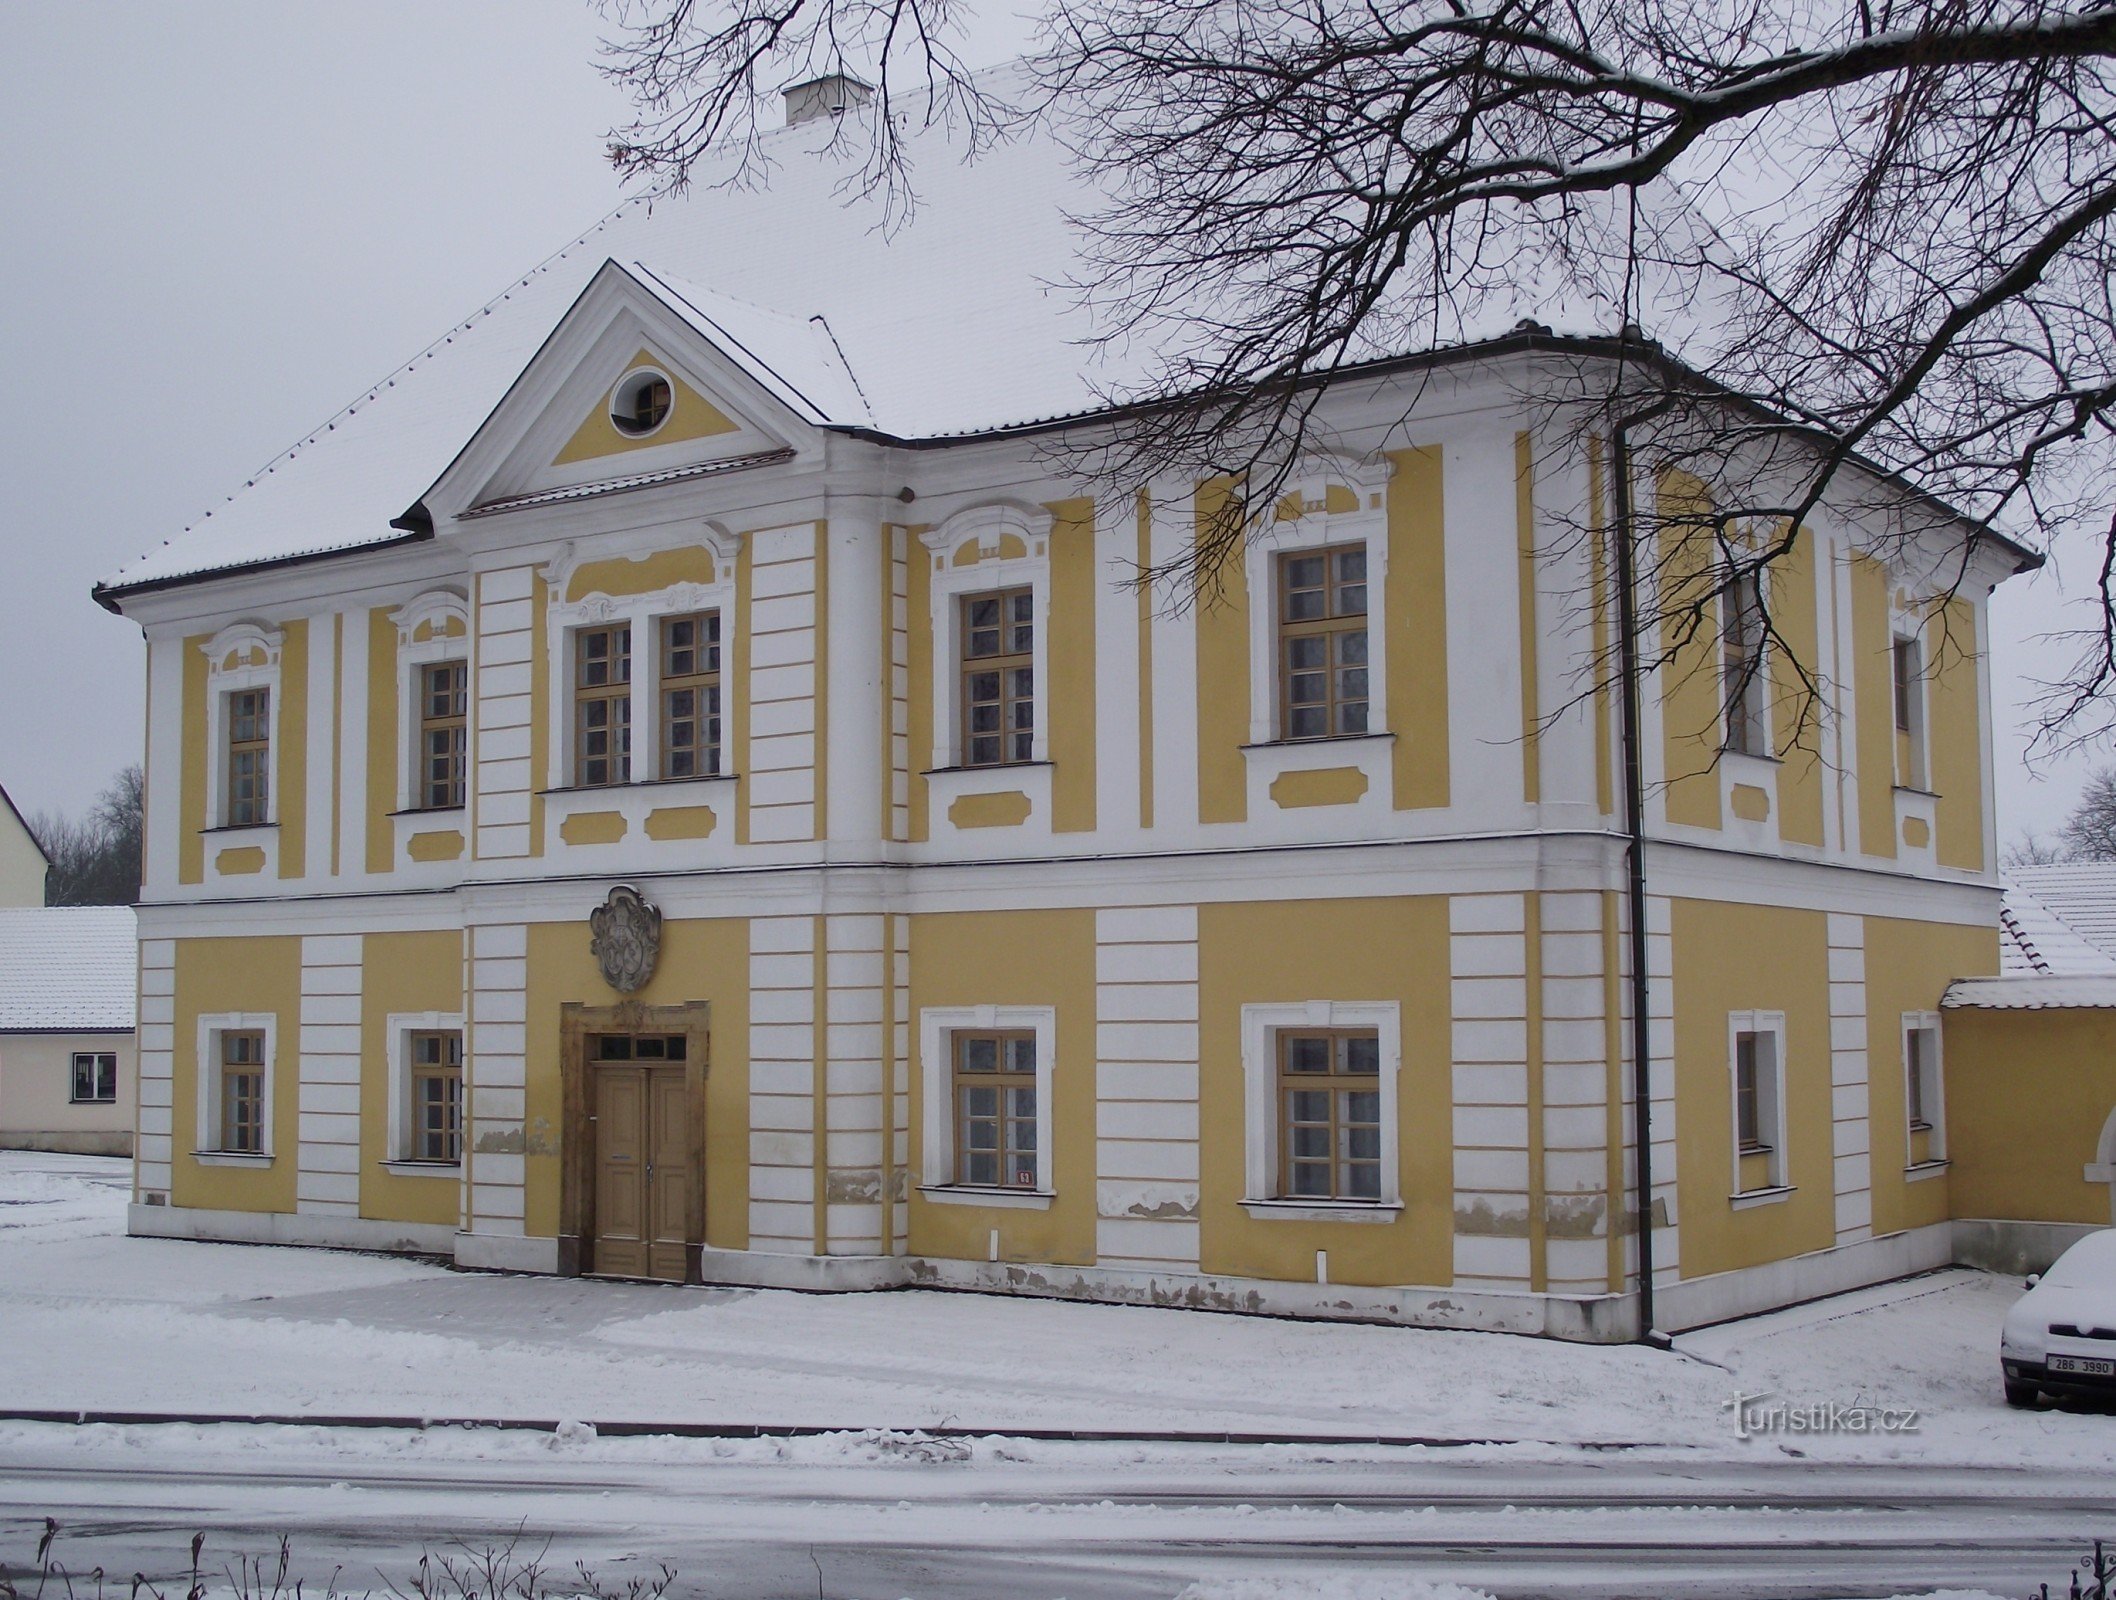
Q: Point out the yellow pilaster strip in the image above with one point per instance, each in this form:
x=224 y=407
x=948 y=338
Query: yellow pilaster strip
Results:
x=890 y=535
x=1146 y=663
x=738 y=702
x=1538 y=1216
x=1613 y=1048
x=821 y=1081
x=292 y=803
x=1525 y=520
x=337 y=735
x=1598 y=581
x=888 y=1224
x=191 y=778
x=1072 y=665
x=822 y=638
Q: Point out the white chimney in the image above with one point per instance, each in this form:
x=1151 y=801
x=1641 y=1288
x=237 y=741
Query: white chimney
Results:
x=829 y=96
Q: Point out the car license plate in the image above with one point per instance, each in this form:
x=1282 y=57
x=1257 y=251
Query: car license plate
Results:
x=2083 y=1366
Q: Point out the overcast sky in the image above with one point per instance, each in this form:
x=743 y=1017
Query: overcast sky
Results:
x=223 y=220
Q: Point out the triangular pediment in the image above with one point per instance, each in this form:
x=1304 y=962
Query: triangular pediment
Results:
x=581 y=419
x=690 y=416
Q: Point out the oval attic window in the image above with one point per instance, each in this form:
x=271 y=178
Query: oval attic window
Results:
x=640 y=404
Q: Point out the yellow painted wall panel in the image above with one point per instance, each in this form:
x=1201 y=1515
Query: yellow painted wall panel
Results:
x=691 y=416
x=1874 y=695
x=1957 y=756
x=1071 y=652
x=1222 y=615
x=1350 y=950
x=191 y=783
x=1689 y=648
x=700 y=960
x=2028 y=1094
x=1908 y=968
x=292 y=806
x=401 y=973
x=1318 y=786
x=443 y=845
x=1793 y=613
x=918 y=711
x=215 y=976
x=681 y=822
x=1009 y=809
x=1416 y=602
x=593 y=827
x=1750 y=958
x=239 y=861
x=381 y=739
x=985 y=958
x=662 y=569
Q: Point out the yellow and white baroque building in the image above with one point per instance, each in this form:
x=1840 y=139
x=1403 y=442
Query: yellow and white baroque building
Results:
x=1155 y=891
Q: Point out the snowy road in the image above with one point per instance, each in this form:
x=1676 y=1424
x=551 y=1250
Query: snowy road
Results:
x=890 y=1516
x=1978 y=1496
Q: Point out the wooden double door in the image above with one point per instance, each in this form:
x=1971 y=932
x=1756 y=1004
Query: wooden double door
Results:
x=634 y=1195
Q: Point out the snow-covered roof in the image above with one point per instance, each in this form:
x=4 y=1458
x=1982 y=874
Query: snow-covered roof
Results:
x=67 y=969
x=2034 y=939
x=963 y=319
x=2031 y=994
x=2080 y=893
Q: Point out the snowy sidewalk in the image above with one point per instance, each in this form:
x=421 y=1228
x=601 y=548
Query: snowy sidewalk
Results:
x=98 y=1321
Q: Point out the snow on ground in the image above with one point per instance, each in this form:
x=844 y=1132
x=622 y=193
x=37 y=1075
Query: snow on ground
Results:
x=99 y=1321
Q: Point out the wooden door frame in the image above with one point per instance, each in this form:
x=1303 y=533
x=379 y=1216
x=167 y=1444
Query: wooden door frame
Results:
x=576 y=1188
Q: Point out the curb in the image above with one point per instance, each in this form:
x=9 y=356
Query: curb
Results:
x=765 y=1430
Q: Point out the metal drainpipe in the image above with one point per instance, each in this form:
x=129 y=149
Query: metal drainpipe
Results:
x=1635 y=829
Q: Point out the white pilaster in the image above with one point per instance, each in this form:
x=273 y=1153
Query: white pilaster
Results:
x=1576 y=1201
x=153 y=1148
x=782 y=1066
x=503 y=630
x=1146 y=1087
x=854 y=1112
x=1850 y=1081
x=1488 y=970
x=495 y=1076
x=327 y=1162
x=781 y=780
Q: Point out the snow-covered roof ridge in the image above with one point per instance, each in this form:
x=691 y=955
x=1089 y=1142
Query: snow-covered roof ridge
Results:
x=794 y=356
x=67 y=969
x=2078 y=896
x=2033 y=939
x=2039 y=992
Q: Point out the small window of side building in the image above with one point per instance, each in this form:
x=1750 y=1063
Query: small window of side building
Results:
x=242 y=1091
x=1908 y=673
x=996 y=1114
x=436 y=1058
x=1329 y=1114
x=95 y=1077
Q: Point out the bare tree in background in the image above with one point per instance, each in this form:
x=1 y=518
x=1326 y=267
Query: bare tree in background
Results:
x=2089 y=833
x=96 y=860
x=1873 y=231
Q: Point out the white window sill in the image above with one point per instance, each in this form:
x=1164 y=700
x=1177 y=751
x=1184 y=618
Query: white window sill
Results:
x=423 y=1169
x=231 y=1158
x=1918 y=1171
x=1749 y=1198
x=1324 y=1210
x=960 y=1194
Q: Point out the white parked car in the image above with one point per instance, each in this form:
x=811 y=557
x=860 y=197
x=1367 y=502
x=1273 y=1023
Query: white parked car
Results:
x=2060 y=1337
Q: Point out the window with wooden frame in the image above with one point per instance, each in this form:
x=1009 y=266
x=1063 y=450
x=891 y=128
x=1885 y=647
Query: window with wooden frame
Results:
x=996 y=1140
x=998 y=678
x=602 y=706
x=1329 y=1082
x=1750 y=1090
x=95 y=1078
x=690 y=695
x=242 y=1091
x=249 y=757
x=436 y=1095
x=444 y=705
x=1742 y=670
x=1322 y=642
